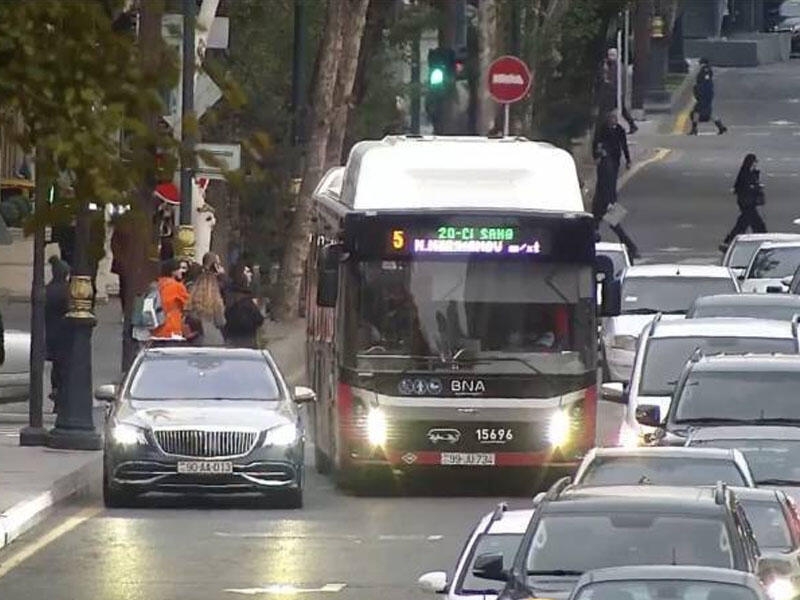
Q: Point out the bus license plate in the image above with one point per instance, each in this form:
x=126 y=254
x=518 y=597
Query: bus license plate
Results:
x=197 y=467
x=468 y=458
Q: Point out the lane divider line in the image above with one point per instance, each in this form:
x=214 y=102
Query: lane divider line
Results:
x=660 y=154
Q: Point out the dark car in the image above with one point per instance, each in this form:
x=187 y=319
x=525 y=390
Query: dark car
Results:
x=576 y=530
x=203 y=420
x=750 y=389
x=772 y=451
x=782 y=307
x=668 y=581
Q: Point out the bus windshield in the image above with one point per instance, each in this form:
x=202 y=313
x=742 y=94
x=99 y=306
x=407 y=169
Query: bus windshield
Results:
x=484 y=315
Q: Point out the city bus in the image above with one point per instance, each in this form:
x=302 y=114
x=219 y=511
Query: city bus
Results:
x=451 y=308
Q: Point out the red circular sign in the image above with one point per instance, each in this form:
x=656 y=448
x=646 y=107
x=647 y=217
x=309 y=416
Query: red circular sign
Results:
x=509 y=79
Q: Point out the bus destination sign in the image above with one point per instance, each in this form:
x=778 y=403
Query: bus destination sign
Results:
x=460 y=239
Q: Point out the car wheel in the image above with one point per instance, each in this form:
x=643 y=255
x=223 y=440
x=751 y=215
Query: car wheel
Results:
x=114 y=497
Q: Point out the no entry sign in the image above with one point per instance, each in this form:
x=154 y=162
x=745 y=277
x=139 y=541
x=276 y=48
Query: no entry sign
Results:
x=509 y=79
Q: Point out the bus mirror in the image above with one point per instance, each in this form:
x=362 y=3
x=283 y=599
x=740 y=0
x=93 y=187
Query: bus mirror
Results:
x=610 y=290
x=328 y=275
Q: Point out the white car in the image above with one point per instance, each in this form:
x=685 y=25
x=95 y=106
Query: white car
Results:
x=744 y=246
x=498 y=532
x=772 y=267
x=665 y=348
x=647 y=290
x=15 y=371
x=618 y=254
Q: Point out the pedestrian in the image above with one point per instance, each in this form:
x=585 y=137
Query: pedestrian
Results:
x=213 y=264
x=56 y=327
x=174 y=296
x=243 y=318
x=610 y=144
x=749 y=196
x=703 y=110
x=207 y=307
x=609 y=88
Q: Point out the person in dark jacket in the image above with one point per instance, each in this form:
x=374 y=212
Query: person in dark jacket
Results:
x=703 y=110
x=56 y=326
x=608 y=88
x=243 y=318
x=610 y=145
x=749 y=196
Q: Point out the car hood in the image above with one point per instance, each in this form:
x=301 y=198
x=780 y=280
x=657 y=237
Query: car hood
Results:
x=633 y=324
x=210 y=414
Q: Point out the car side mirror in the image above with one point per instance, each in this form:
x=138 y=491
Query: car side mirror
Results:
x=304 y=395
x=106 y=392
x=490 y=566
x=434 y=582
x=649 y=415
x=614 y=391
x=328 y=275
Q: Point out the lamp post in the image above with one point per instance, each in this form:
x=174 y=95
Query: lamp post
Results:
x=185 y=230
x=74 y=427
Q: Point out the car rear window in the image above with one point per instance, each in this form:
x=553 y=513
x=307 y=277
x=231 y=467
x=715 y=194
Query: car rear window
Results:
x=203 y=378
x=769 y=525
x=668 y=589
x=749 y=311
x=644 y=295
x=741 y=254
x=661 y=470
x=774 y=263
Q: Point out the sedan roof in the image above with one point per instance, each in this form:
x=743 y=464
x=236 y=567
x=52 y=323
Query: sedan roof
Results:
x=211 y=351
x=662 y=452
x=749 y=299
x=635 y=498
x=746 y=432
x=765 y=237
x=724 y=327
x=749 y=363
x=677 y=270
x=669 y=572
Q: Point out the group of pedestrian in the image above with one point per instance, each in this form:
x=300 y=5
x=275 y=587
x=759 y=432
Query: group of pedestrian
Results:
x=204 y=307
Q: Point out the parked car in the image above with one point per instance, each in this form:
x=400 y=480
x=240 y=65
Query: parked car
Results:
x=618 y=253
x=744 y=246
x=203 y=420
x=499 y=532
x=781 y=307
x=772 y=267
x=664 y=348
x=647 y=290
x=668 y=581
x=15 y=371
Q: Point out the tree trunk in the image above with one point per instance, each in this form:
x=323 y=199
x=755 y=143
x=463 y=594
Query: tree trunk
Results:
x=352 y=34
x=487 y=52
x=641 y=58
x=296 y=249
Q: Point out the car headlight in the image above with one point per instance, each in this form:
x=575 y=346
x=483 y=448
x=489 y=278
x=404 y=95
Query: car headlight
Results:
x=376 y=427
x=781 y=589
x=558 y=428
x=282 y=435
x=624 y=342
x=125 y=434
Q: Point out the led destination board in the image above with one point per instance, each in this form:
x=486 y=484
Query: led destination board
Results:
x=448 y=239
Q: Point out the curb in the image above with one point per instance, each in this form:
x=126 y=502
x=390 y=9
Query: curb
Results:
x=25 y=515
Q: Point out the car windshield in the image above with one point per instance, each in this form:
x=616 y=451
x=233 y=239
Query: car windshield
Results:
x=769 y=460
x=742 y=252
x=660 y=470
x=476 y=314
x=498 y=543
x=669 y=589
x=745 y=396
x=769 y=524
x=203 y=378
x=750 y=311
x=626 y=538
x=643 y=295
x=774 y=263
x=665 y=357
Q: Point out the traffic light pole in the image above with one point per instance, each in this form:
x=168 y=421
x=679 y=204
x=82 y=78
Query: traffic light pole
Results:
x=188 y=142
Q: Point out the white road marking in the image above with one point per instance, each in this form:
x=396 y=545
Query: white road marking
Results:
x=386 y=537
x=286 y=589
x=409 y=538
x=782 y=122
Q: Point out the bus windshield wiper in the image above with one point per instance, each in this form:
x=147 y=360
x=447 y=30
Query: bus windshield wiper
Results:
x=483 y=359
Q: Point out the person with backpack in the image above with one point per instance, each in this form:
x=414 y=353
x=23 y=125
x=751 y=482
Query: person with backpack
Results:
x=173 y=298
x=243 y=318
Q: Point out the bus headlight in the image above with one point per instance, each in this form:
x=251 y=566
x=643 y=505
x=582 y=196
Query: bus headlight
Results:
x=558 y=428
x=376 y=427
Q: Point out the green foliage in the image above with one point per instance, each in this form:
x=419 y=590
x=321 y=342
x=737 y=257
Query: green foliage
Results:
x=77 y=83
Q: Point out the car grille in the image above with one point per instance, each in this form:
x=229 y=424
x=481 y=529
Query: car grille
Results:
x=205 y=444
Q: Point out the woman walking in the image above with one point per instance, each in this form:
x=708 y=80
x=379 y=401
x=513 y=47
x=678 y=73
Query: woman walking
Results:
x=243 y=319
x=207 y=308
x=749 y=196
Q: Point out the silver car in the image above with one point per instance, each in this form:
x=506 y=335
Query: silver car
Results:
x=499 y=532
x=15 y=371
x=772 y=267
x=744 y=246
x=203 y=420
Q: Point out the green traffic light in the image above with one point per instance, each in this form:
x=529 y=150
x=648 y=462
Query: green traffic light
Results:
x=436 y=76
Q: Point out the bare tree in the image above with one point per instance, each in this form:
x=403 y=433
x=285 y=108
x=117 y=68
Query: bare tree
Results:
x=487 y=52
x=296 y=248
x=352 y=34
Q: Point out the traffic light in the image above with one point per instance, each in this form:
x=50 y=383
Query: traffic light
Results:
x=441 y=67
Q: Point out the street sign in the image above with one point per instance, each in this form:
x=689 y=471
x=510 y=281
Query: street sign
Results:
x=230 y=155
x=509 y=79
